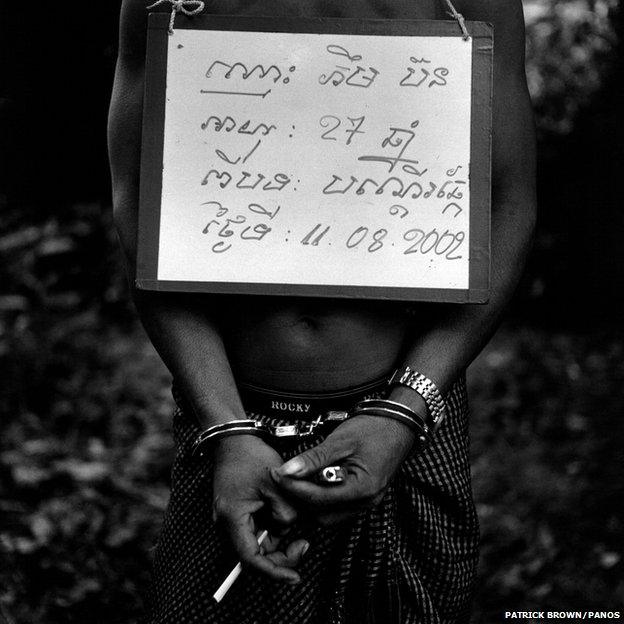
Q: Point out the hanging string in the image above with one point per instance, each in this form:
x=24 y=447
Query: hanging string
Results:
x=179 y=6
x=459 y=17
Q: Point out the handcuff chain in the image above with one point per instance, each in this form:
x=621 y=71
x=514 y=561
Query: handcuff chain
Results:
x=306 y=429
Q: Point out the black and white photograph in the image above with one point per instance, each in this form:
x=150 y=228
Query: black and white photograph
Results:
x=311 y=312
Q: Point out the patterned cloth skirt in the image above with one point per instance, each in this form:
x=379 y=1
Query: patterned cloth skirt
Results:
x=411 y=559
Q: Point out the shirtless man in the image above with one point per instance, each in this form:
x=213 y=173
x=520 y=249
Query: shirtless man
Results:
x=398 y=541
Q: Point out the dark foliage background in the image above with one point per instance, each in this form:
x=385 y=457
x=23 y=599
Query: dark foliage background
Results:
x=85 y=444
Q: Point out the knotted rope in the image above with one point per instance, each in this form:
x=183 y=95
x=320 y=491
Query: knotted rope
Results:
x=179 y=6
x=459 y=17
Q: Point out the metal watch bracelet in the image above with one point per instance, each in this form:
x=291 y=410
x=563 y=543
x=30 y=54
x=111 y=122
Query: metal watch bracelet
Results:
x=427 y=390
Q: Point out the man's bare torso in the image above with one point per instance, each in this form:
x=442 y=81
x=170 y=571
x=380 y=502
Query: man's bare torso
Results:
x=295 y=343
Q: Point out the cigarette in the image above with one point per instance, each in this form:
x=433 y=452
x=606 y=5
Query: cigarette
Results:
x=233 y=575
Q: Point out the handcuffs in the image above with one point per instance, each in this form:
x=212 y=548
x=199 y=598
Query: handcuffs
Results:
x=294 y=432
x=330 y=475
x=424 y=426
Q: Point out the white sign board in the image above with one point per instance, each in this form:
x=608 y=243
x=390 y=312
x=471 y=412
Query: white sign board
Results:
x=315 y=163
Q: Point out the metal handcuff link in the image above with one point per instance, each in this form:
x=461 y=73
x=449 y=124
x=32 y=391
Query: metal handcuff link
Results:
x=298 y=431
x=330 y=475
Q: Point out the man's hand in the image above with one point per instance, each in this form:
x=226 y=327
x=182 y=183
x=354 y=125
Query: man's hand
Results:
x=242 y=488
x=369 y=448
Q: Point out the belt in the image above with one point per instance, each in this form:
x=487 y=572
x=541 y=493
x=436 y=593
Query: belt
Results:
x=306 y=405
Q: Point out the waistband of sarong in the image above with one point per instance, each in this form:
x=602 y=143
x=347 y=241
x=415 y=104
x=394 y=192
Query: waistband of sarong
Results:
x=306 y=405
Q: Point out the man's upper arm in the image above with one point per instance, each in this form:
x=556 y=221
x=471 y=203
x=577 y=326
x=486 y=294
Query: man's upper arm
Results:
x=125 y=118
x=513 y=140
x=133 y=31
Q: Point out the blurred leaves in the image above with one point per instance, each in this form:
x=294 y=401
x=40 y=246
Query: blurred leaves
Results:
x=547 y=470
x=85 y=407
x=569 y=46
x=43 y=259
x=84 y=425
x=84 y=481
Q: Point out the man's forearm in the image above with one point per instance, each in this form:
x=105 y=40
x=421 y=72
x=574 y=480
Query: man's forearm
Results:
x=179 y=326
x=188 y=341
x=457 y=336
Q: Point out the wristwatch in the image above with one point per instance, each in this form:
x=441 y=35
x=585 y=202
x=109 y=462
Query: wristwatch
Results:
x=427 y=390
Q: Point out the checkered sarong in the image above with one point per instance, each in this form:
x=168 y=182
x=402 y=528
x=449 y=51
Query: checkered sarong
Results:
x=409 y=560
